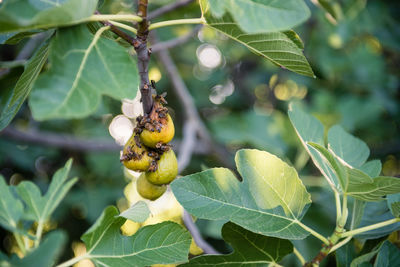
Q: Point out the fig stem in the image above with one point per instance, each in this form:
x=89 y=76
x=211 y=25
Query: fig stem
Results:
x=143 y=55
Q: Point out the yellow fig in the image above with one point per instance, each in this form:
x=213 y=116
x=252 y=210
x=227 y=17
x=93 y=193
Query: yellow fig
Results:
x=166 y=171
x=149 y=190
x=134 y=157
x=163 y=135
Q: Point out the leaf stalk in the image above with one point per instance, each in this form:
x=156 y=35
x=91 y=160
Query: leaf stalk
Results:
x=370 y=227
x=176 y=22
x=314 y=233
x=125 y=17
x=124 y=26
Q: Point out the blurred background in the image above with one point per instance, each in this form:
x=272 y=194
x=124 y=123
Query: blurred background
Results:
x=243 y=101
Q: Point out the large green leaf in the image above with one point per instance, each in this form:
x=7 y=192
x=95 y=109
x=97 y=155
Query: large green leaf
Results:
x=83 y=67
x=249 y=248
x=163 y=243
x=255 y=16
x=309 y=129
x=18 y=15
x=388 y=256
x=11 y=208
x=277 y=47
x=41 y=207
x=24 y=85
x=44 y=256
x=347 y=147
x=271 y=200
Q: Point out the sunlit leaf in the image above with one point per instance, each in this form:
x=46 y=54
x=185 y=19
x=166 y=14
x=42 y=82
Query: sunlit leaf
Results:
x=248 y=247
x=271 y=200
x=83 y=68
x=277 y=47
x=41 y=207
x=24 y=85
x=38 y=14
x=255 y=16
x=11 y=208
x=138 y=212
x=164 y=243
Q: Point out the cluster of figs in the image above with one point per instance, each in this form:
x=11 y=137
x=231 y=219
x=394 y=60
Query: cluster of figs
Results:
x=148 y=151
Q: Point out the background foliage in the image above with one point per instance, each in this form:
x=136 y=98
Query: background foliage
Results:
x=242 y=98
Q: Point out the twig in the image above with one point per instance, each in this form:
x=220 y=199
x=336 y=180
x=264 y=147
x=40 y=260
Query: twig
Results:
x=194 y=231
x=168 y=8
x=63 y=141
x=188 y=145
x=177 y=41
x=72 y=143
x=130 y=39
x=143 y=55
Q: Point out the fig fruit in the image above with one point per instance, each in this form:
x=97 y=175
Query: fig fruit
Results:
x=135 y=156
x=163 y=133
x=167 y=169
x=149 y=190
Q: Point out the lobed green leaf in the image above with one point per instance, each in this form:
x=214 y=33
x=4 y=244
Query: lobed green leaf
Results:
x=249 y=249
x=39 y=14
x=41 y=207
x=83 y=68
x=261 y=16
x=164 y=243
x=282 y=49
x=271 y=200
